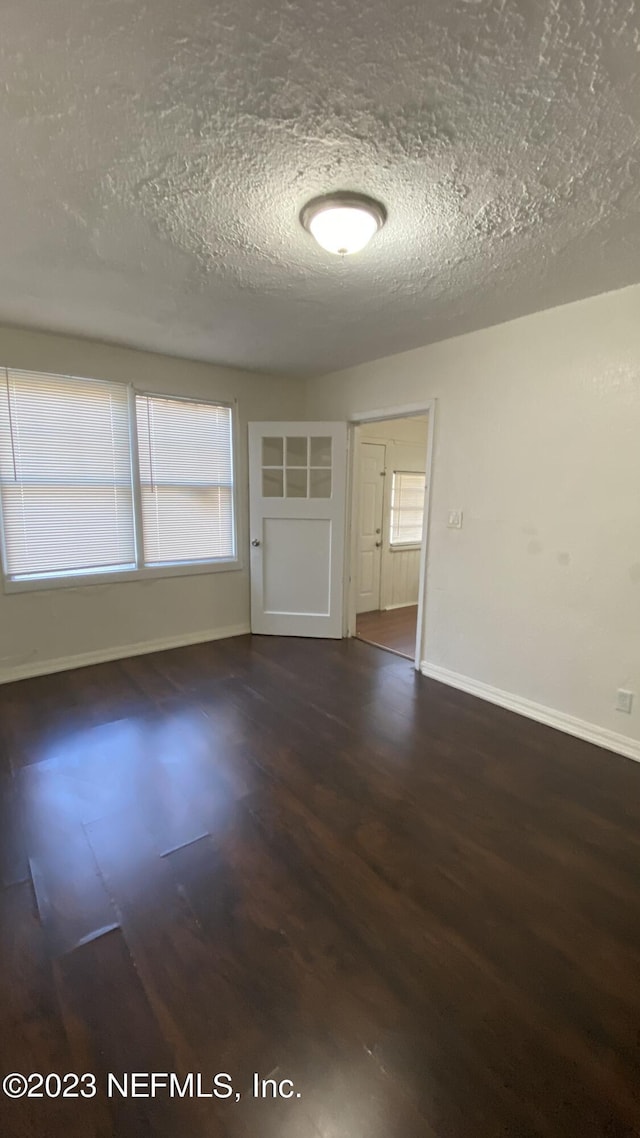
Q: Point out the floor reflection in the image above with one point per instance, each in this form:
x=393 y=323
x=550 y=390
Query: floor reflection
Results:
x=154 y=776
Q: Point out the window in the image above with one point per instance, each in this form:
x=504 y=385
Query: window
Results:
x=186 y=480
x=407 y=507
x=79 y=498
x=65 y=476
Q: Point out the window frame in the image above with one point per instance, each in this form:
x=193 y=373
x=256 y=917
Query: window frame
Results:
x=401 y=546
x=81 y=579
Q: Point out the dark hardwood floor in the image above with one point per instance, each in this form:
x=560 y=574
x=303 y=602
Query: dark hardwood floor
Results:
x=394 y=629
x=299 y=858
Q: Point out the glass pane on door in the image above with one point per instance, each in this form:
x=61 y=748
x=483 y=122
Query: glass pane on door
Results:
x=272 y=451
x=297 y=448
x=272 y=484
x=320 y=451
x=320 y=483
x=296 y=482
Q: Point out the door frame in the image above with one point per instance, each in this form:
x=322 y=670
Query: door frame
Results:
x=360 y=419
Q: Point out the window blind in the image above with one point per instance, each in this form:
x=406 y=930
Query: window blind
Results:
x=65 y=475
x=407 y=507
x=186 y=480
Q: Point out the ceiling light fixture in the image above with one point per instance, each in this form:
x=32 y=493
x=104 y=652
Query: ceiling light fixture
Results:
x=343 y=222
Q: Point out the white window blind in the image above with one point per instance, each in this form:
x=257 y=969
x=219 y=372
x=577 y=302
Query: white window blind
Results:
x=65 y=475
x=407 y=507
x=186 y=480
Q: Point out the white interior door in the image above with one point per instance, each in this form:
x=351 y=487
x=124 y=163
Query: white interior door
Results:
x=370 y=512
x=297 y=484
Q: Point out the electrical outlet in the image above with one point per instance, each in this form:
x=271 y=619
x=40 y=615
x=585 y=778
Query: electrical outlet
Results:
x=624 y=700
x=455 y=519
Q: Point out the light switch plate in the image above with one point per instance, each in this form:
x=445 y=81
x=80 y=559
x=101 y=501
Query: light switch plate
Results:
x=624 y=700
x=455 y=519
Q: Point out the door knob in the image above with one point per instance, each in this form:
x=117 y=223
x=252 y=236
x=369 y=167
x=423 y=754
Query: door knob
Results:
x=378 y=544
x=255 y=541
x=378 y=531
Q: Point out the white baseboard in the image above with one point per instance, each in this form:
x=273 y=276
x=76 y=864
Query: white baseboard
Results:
x=103 y=656
x=401 y=605
x=601 y=736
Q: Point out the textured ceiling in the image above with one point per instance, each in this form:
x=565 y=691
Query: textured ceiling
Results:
x=155 y=157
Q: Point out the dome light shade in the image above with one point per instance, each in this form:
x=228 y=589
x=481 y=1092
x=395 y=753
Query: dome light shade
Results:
x=343 y=223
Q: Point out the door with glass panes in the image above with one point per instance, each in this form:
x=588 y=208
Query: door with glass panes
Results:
x=297 y=476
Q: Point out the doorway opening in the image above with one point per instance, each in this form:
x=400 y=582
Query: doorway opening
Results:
x=390 y=493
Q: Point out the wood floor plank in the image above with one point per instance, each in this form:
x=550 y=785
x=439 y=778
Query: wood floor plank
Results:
x=394 y=629
x=73 y=904
x=112 y=1030
x=321 y=1008
x=33 y=1037
x=322 y=866
x=203 y=1011
x=14 y=861
x=463 y=859
x=429 y=962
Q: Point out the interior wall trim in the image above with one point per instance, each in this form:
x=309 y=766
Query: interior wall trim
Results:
x=104 y=655
x=590 y=732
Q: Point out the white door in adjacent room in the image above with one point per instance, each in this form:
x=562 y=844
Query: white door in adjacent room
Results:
x=297 y=492
x=370 y=513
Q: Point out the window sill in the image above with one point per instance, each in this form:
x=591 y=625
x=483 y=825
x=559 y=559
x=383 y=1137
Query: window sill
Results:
x=399 y=547
x=115 y=577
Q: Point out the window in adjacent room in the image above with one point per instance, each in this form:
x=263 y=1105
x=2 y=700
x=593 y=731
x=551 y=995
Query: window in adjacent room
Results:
x=407 y=508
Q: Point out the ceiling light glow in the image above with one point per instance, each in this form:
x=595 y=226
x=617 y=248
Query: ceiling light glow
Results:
x=343 y=223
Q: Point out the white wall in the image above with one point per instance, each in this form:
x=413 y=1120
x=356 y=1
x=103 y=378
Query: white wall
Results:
x=55 y=625
x=537 y=440
x=406 y=449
